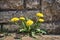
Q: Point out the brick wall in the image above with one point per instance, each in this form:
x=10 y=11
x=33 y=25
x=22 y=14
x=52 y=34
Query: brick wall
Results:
x=13 y=8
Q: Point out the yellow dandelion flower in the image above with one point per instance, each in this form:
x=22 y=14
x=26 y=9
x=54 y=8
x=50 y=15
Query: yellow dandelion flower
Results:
x=41 y=20
x=15 y=19
x=39 y=14
x=22 y=18
x=29 y=22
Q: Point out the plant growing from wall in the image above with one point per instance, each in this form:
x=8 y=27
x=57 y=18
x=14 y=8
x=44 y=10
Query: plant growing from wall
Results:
x=28 y=26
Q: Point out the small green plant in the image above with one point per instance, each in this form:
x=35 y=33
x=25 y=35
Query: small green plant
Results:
x=28 y=26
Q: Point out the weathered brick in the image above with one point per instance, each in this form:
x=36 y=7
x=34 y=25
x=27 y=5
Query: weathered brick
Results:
x=52 y=28
x=31 y=13
x=10 y=28
x=5 y=16
x=11 y=4
x=51 y=10
x=31 y=4
x=58 y=1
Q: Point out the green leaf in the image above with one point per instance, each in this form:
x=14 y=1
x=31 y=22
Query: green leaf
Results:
x=23 y=24
x=43 y=32
x=33 y=33
x=38 y=30
x=22 y=30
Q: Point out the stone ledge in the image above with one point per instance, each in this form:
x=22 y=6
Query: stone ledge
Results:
x=43 y=37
